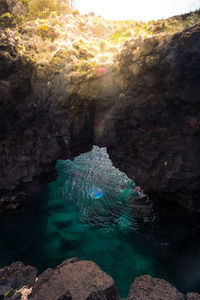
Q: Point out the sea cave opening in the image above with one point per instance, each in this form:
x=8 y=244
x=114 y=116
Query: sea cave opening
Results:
x=126 y=235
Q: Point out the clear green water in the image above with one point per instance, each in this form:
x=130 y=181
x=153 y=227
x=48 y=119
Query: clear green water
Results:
x=62 y=221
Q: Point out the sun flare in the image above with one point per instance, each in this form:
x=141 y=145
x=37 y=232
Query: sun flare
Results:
x=144 y=10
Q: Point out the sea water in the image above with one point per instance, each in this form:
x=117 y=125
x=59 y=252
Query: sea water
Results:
x=64 y=221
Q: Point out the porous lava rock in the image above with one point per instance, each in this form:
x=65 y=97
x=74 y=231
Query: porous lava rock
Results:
x=147 y=288
x=192 y=296
x=77 y=280
x=18 y=275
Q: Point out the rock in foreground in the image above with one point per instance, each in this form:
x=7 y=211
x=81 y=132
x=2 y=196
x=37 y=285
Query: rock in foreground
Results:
x=148 y=288
x=15 y=278
x=192 y=296
x=77 y=280
x=17 y=275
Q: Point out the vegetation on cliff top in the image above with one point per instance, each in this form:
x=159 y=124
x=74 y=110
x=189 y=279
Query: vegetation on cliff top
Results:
x=54 y=37
x=45 y=26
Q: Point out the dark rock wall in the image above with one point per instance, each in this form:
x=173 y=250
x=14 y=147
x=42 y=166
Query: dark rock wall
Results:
x=36 y=129
x=151 y=129
x=155 y=135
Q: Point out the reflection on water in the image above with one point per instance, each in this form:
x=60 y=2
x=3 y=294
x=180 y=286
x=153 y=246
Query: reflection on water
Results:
x=124 y=235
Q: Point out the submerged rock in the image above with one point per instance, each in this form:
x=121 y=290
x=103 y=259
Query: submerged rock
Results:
x=147 y=288
x=77 y=280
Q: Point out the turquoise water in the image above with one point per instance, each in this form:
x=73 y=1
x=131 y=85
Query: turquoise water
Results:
x=63 y=221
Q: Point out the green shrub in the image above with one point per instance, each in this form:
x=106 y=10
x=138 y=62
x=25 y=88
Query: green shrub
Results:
x=19 y=19
x=25 y=2
x=102 y=45
x=117 y=37
x=37 y=6
x=44 y=13
x=6 y=19
x=43 y=8
x=44 y=31
x=53 y=14
x=75 y=12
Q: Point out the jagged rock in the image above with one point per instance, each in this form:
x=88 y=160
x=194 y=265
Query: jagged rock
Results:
x=77 y=280
x=192 y=296
x=147 y=288
x=17 y=275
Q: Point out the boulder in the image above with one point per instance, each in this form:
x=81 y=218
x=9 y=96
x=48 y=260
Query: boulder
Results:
x=17 y=275
x=77 y=280
x=192 y=296
x=147 y=288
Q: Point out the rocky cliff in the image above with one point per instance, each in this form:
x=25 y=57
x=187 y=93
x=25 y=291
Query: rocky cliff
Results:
x=142 y=104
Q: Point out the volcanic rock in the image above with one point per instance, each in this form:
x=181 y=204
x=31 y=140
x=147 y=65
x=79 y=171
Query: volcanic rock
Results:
x=144 y=109
x=17 y=275
x=77 y=280
x=147 y=288
x=192 y=296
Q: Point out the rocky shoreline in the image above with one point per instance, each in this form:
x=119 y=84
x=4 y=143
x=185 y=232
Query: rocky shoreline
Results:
x=76 y=279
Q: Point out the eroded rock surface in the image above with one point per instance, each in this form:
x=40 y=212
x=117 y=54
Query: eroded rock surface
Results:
x=148 y=288
x=14 y=279
x=192 y=296
x=17 y=275
x=77 y=280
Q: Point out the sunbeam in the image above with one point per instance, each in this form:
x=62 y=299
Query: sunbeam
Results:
x=137 y=10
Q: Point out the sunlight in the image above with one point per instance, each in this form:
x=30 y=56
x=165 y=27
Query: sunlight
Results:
x=144 y=10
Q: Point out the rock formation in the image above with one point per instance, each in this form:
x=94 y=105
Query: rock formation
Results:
x=15 y=277
x=192 y=296
x=77 y=280
x=74 y=279
x=144 y=109
x=148 y=288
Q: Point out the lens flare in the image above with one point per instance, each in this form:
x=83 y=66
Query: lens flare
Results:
x=95 y=193
x=101 y=70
